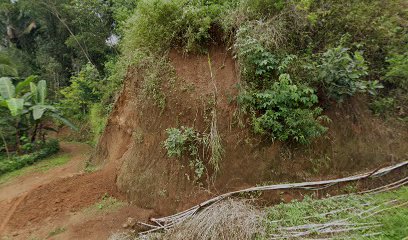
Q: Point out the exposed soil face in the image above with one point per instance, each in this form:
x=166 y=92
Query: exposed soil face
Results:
x=133 y=139
x=36 y=204
x=135 y=167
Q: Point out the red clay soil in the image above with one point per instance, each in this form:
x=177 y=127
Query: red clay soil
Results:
x=356 y=141
x=35 y=204
x=68 y=194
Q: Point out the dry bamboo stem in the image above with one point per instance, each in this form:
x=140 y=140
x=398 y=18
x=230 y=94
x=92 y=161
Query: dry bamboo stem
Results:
x=169 y=221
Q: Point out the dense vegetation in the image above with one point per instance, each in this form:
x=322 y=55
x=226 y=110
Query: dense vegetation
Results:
x=52 y=62
x=297 y=58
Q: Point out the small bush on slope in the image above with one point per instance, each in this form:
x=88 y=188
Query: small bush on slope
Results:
x=285 y=111
x=187 y=142
x=398 y=70
x=340 y=74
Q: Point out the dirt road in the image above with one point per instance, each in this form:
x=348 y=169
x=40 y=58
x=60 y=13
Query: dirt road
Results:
x=64 y=202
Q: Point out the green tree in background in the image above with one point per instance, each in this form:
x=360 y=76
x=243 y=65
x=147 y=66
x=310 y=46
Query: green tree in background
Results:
x=84 y=91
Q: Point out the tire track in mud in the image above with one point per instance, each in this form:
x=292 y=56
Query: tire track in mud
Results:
x=10 y=211
x=16 y=191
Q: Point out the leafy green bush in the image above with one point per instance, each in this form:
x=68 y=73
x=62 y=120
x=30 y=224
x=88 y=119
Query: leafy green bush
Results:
x=397 y=73
x=84 y=91
x=160 y=24
x=186 y=141
x=377 y=26
x=41 y=151
x=383 y=105
x=260 y=67
x=340 y=74
x=285 y=111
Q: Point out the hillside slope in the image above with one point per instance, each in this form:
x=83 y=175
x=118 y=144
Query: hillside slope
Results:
x=136 y=129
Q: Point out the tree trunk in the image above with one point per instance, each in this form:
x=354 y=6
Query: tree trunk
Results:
x=17 y=138
x=5 y=145
x=34 y=134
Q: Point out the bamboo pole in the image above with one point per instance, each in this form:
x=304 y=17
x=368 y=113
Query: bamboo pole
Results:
x=170 y=221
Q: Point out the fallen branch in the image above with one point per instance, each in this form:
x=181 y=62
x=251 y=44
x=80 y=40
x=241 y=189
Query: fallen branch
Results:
x=170 y=221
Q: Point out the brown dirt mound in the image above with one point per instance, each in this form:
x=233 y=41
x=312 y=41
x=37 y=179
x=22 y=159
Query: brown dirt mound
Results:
x=35 y=204
x=356 y=141
x=69 y=194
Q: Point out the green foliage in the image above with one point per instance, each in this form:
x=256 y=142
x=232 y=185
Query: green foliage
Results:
x=116 y=70
x=7 y=67
x=7 y=89
x=285 y=111
x=160 y=24
x=264 y=8
x=280 y=109
x=186 y=141
x=84 y=102
x=84 y=91
x=7 y=130
x=122 y=10
x=40 y=166
x=28 y=109
x=376 y=26
x=41 y=151
x=397 y=73
x=97 y=120
x=340 y=74
x=388 y=221
x=91 y=20
x=33 y=102
x=381 y=106
x=260 y=67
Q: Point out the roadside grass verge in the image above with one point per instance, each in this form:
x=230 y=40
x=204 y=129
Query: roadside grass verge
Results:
x=380 y=216
x=42 y=166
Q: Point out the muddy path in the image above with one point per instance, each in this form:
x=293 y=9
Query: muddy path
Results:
x=78 y=154
x=60 y=203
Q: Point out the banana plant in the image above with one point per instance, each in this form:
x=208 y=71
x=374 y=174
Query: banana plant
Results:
x=39 y=108
x=33 y=103
x=12 y=96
